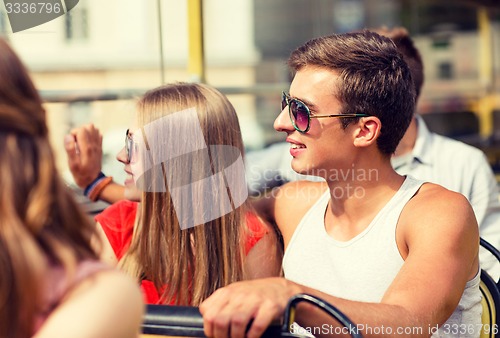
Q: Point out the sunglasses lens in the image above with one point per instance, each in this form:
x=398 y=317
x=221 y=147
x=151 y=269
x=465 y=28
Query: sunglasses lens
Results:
x=284 y=101
x=299 y=114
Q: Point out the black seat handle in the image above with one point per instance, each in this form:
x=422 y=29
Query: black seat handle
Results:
x=323 y=305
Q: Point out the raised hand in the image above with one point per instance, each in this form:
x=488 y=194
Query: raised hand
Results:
x=84 y=148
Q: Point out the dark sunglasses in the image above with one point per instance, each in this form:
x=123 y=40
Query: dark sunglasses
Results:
x=129 y=146
x=301 y=116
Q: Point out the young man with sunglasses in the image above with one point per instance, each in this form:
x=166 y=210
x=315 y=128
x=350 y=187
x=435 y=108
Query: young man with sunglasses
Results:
x=421 y=154
x=396 y=255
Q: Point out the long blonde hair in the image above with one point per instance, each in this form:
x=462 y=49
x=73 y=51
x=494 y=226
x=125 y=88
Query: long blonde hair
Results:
x=40 y=224
x=194 y=262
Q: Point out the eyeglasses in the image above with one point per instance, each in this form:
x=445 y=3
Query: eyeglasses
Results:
x=301 y=116
x=129 y=146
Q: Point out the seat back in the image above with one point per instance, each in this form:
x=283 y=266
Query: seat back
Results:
x=183 y=321
x=490 y=291
x=494 y=252
x=172 y=321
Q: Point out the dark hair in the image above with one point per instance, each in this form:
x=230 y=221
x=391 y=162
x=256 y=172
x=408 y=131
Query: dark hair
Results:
x=373 y=79
x=411 y=55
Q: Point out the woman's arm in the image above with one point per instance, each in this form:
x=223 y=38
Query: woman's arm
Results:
x=101 y=245
x=264 y=259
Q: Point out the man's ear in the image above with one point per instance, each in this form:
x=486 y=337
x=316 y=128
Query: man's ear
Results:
x=367 y=131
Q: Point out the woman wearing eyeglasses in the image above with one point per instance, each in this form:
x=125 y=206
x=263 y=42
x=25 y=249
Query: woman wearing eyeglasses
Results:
x=194 y=231
x=52 y=282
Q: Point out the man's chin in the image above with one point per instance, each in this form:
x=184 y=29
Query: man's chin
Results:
x=299 y=169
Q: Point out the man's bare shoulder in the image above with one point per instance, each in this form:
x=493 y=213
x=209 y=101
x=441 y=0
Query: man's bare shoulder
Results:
x=437 y=236
x=293 y=200
x=435 y=198
x=436 y=213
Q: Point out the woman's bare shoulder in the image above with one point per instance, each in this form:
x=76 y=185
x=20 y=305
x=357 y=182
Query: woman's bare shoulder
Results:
x=105 y=304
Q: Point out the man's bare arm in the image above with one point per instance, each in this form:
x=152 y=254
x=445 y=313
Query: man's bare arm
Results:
x=441 y=256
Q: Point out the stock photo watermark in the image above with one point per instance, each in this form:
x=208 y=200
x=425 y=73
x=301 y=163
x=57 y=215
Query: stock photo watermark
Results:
x=25 y=14
x=447 y=330
x=204 y=181
x=348 y=177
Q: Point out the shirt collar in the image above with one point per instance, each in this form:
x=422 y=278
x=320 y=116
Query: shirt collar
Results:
x=423 y=144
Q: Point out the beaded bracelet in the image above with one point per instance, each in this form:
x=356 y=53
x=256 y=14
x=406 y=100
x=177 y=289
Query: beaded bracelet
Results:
x=94 y=189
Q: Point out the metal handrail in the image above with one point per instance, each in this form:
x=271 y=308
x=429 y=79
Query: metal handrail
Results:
x=68 y=96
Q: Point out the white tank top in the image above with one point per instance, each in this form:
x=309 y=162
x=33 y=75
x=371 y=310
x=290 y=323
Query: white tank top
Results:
x=362 y=268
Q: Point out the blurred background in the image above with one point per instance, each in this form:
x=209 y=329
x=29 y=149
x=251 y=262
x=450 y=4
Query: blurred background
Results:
x=92 y=63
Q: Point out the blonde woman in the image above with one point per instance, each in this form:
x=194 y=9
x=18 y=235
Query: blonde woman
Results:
x=52 y=283
x=194 y=231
